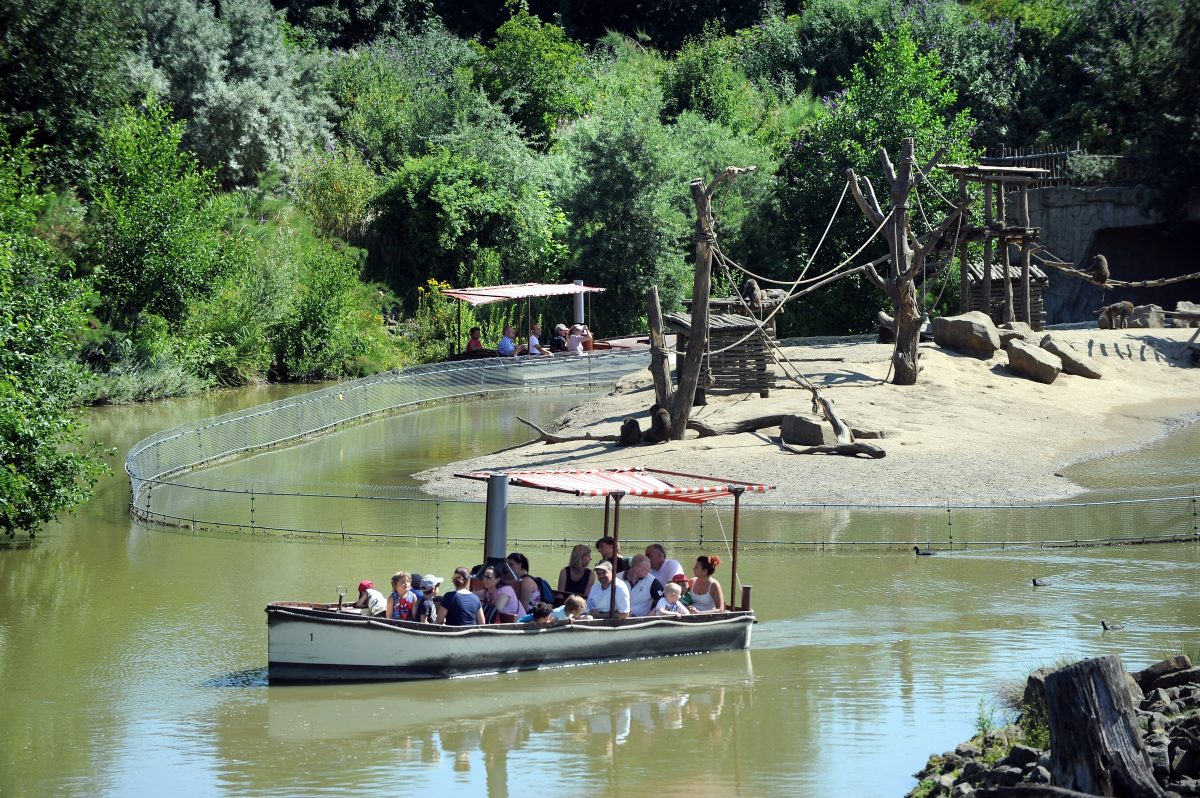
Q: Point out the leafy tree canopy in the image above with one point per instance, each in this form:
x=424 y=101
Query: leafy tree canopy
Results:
x=44 y=469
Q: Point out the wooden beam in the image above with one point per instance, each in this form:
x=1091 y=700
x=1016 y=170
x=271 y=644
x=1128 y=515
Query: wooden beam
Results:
x=987 y=249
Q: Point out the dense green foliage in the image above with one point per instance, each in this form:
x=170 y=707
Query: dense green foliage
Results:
x=302 y=169
x=43 y=468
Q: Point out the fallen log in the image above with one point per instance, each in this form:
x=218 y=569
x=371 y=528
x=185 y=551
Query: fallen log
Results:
x=709 y=429
x=849 y=449
x=550 y=437
x=1095 y=745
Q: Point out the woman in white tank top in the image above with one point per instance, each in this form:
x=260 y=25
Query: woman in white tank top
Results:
x=706 y=591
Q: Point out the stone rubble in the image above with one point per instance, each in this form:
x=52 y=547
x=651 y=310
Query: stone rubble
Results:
x=1167 y=697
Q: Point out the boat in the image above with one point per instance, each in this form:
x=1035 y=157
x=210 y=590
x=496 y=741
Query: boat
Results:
x=320 y=643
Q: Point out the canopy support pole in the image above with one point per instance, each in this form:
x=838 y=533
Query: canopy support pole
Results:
x=458 y=337
x=612 y=588
x=737 y=491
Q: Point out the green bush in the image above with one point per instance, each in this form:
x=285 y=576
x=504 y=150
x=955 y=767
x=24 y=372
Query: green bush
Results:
x=44 y=466
x=335 y=188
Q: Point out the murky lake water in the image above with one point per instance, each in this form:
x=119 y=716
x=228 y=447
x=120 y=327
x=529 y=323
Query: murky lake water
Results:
x=132 y=658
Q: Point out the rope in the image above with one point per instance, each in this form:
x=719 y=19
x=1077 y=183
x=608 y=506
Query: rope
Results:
x=779 y=307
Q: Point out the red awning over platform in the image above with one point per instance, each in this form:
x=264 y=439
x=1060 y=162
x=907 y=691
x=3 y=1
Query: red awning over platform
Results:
x=644 y=482
x=504 y=293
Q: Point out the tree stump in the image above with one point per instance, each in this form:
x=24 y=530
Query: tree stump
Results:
x=1095 y=746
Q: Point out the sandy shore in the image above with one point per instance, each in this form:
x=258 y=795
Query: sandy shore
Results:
x=969 y=431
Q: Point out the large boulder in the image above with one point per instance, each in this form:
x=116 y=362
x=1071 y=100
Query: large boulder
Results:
x=1033 y=362
x=1016 y=329
x=806 y=431
x=1147 y=316
x=1072 y=361
x=972 y=333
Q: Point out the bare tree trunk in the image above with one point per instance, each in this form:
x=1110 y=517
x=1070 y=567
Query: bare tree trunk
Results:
x=906 y=262
x=660 y=368
x=1095 y=746
x=689 y=373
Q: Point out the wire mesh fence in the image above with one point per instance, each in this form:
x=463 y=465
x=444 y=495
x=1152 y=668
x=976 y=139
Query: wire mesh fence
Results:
x=170 y=487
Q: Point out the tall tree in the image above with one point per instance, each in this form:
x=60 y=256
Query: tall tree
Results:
x=44 y=469
x=61 y=70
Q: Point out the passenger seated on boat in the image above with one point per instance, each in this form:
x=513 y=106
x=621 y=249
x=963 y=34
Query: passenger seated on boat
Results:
x=661 y=568
x=573 y=609
x=500 y=603
x=475 y=342
x=542 y=614
x=508 y=343
x=605 y=546
x=579 y=339
x=427 y=609
x=706 y=592
x=460 y=607
x=671 y=603
x=644 y=589
x=402 y=604
x=600 y=599
x=370 y=599
x=525 y=585
x=535 y=341
x=559 y=342
x=576 y=577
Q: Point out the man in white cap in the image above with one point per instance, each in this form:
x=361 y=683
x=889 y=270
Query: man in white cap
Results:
x=559 y=342
x=600 y=597
x=370 y=599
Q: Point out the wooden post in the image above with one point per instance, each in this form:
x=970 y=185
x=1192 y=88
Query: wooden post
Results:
x=689 y=372
x=1095 y=745
x=616 y=552
x=1009 y=315
x=987 y=249
x=964 y=295
x=737 y=491
x=1026 y=254
x=660 y=369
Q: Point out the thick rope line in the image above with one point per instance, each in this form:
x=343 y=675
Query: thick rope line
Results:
x=791 y=291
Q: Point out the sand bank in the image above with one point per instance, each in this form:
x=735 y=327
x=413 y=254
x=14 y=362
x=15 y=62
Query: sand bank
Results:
x=970 y=431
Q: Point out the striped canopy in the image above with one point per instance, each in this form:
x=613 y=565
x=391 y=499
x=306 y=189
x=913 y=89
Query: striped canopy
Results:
x=643 y=482
x=505 y=293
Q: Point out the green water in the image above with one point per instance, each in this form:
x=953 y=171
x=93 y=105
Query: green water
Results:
x=132 y=658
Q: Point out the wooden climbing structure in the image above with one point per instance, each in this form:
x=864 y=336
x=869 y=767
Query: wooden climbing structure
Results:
x=1005 y=225
x=738 y=356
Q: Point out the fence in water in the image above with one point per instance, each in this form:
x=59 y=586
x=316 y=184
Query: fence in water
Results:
x=170 y=485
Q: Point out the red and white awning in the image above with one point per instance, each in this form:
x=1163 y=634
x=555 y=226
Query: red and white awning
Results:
x=643 y=482
x=507 y=293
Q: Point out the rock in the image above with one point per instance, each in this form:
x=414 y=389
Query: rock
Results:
x=868 y=434
x=968 y=750
x=1016 y=329
x=1147 y=316
x=961 y=790
x=806 y=431
x=1033 y=362
x=1034 y=697
x=1189 y=676
x=1003 y=776
x=1183 y=765
x=1185 y=788
x=1038 y=775
x=971 y=333
x=1183 y=306
x=1020 y=756
x=973 y=771
x=943 y=784
x=1072 y=362
x=1157 y=751
x=1135 y=691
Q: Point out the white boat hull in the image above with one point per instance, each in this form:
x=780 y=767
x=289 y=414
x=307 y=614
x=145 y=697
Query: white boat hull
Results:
x=307 y=644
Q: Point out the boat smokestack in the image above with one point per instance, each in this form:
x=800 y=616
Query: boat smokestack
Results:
x=495 y=530
x=579 y=305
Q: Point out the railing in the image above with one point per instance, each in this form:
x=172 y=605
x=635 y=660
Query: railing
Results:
x=170 y=487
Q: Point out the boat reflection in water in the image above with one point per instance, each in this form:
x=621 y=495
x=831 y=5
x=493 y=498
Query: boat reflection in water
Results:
x=596 y=722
